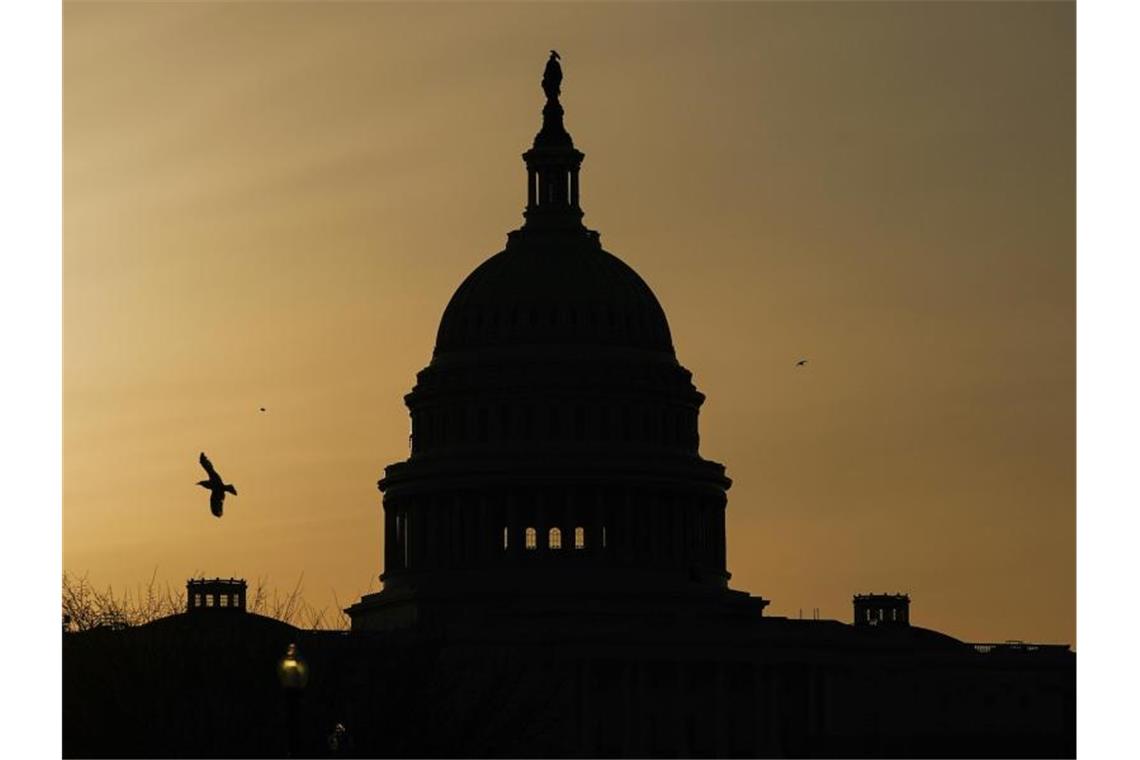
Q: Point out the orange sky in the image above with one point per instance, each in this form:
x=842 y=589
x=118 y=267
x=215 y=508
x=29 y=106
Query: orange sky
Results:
x=270 y=205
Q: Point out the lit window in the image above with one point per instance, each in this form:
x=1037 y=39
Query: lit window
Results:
x=234 y=600
x=531 y=538
x=555 y=539
x=603 y=537
x=209 y=600
x=506 y=533
x=197 y=600
x=224 y=600
x=579 y=538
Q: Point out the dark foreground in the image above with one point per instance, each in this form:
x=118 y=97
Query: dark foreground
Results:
x=207 y=686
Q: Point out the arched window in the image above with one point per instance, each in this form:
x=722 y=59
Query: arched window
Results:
x=554 y=540
x=579 y=538
x=531 y=538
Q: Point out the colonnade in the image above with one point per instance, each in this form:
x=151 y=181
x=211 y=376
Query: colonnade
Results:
x=604 y=524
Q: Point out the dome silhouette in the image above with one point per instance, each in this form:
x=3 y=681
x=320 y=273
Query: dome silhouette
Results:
x=554 y=292
x=554 y=456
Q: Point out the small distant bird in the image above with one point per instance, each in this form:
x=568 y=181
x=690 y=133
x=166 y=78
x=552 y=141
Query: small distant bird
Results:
x=262 y=408
x=801 y=362
x=215 y=485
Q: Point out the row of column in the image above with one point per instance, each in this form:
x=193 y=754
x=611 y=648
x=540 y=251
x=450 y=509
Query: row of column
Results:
x=558 y=182
x=620 y=526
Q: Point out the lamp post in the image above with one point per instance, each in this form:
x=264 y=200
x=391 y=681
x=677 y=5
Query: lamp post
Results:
x=293 y=673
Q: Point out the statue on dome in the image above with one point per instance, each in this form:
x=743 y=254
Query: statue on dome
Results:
x=552 y=77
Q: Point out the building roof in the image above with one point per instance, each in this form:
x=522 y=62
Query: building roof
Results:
x=554 y=290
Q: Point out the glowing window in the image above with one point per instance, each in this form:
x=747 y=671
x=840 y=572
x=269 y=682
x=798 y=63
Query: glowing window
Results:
x=555 y=539
x=209 y=600
x=224 y=600
x=506 y=534
x=531 y=538
x=579 y=538
x=197 y=600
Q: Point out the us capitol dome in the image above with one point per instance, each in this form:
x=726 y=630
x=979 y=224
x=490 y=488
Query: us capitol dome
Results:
x=555 y=458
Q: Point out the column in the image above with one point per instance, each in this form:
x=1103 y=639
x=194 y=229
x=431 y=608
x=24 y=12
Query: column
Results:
x=625 y=537
x=594 y=525
x=541 y=522
x=389 y=537
x=516 y=531
x=486 y=539
x=419 y=536
x=720 y=539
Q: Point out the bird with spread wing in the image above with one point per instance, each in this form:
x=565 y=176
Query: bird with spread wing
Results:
x=215 y=485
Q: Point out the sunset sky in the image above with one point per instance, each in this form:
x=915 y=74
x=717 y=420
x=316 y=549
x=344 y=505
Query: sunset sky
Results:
x=270 y=204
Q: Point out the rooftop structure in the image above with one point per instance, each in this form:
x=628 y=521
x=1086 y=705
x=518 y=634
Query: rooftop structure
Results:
x=881 y=609
x=215 y=595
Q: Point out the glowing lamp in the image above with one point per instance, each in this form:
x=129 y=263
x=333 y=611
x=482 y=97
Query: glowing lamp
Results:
x=292 y=670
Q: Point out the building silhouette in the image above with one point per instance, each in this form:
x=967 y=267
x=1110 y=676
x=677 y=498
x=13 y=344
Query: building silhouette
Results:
x=555 y=580
x=554 y=455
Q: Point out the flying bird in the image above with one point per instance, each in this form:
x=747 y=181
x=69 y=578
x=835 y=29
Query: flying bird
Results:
x=215 y=485
x=801 y=362
x=261 y=408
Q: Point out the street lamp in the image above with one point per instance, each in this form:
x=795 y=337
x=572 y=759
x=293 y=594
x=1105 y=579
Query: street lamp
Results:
x=293 y=673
